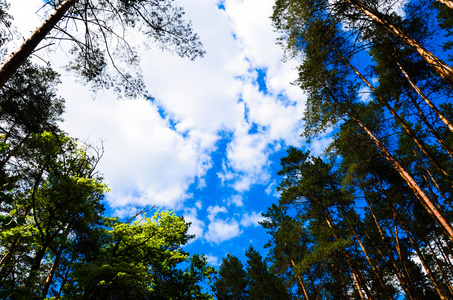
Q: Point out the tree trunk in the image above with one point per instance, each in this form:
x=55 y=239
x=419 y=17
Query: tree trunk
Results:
x=426 y=202
x=406 y=284
x=301 y=283
x=439 y=66
x=427 y=123
x=423 y=96
x=16 y=59
x=373 y=267
x=447 y=3
x=395 y=115
x=358 y=278
x=425 y=265
x=50 y=275
x=35 y=266
x=419 y=193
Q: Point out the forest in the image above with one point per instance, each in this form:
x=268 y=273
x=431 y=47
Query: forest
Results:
x=368 y=219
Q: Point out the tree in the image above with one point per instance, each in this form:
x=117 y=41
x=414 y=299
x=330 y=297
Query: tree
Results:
x=330 y=74
x=106 y=24
x=262 y=283
x=231 y=281
x=138 y=260
x=61 y=196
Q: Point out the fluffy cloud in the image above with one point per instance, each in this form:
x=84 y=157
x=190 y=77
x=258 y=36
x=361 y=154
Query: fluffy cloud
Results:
x=155 y=151
x=251 y=219
x=222 y=230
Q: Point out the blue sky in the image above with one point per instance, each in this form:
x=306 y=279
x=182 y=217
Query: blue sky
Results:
x=209 y=145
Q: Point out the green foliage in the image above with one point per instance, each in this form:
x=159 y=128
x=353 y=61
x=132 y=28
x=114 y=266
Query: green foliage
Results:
x=139 y=260
x=231 y=282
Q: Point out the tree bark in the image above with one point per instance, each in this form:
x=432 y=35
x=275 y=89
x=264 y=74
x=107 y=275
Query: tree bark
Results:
x=395 y=115
x=406 y=283
x=447 y=3
x=439 y=66
x=423 y=96
x=373 y=267
x=419 y=193
x=16 y=59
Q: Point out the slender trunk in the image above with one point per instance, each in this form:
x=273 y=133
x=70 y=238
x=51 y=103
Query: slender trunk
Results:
x=447 y=3
x=439 y=266
x=408 y=287
x=343 y=284
x=301 y=283
x=421 y=195
x=51 y=273
x=16 y=59
x=439 y=66
x=428 y=124
x=358 y=278
x=397 y=117
x=65 y=278
x=425 y=265
x=446 y=256
x=424 y=168
x=39 y=255
x=362 y=247
x=426 y=99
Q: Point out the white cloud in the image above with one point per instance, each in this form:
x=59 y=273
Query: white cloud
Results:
x=251 y=219
x=214 y=210
x=197 y=226
x=213 y=260
x=222 y=230
x=154 y=159
x=236 y=200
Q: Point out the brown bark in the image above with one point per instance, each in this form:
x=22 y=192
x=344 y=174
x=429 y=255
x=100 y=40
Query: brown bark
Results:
x=16 y=59
x=425 y=265
x=301 y=283
x=357 y=277
x=439 y=266
x=428 y=124
x=397 y=117
x=439 y=66
x=50 y=275
x=426 y=99
x=421 y=195
x=407 y=286
x=447 y=3
x=362 y=247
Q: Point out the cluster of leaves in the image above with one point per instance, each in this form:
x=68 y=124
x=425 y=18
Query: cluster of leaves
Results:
x=101 y=35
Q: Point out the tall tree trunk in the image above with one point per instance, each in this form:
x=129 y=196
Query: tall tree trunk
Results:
x=447 y=3
x=406 y=283
x=446 y=278
x=300 y=281
x=427 y=123
x=439 y=66
x=425 y=264
x=362 y=247
x=16 y=59
x=39 y=255
x=397 y=117
x=419 y=193
x=356 y=275
x=51 y=273
x=426 y=99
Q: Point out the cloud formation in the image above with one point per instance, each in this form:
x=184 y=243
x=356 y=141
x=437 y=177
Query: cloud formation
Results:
x=156 y=151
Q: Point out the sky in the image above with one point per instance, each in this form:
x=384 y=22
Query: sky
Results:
x=209 y=145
